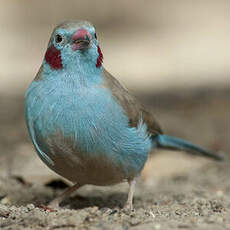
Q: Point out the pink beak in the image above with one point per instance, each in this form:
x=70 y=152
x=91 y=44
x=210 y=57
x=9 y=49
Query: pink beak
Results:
x=81 y=39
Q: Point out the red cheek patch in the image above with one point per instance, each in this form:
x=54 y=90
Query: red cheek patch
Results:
x=53 y=58
x=100 y=57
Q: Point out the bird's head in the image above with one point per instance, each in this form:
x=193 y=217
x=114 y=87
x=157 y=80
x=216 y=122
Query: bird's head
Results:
x=73 y=44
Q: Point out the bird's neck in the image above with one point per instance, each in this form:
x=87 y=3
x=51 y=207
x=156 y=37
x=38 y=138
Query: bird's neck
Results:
x=78 y=66
x=79 y=72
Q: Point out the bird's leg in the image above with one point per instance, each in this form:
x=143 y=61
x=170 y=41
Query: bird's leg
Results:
x=55 y=203
x=129 y=203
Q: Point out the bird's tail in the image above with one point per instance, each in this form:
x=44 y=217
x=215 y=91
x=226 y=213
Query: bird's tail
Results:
x=170 y=142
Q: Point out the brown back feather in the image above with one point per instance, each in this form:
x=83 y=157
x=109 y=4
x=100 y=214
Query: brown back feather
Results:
x=133 y=109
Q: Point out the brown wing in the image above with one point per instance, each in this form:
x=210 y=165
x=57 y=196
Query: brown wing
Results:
x=133 y=109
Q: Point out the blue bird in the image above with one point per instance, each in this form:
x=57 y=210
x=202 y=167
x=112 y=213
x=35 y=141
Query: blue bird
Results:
x=83 y=123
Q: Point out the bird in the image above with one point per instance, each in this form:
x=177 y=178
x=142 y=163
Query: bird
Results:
x=84 y=124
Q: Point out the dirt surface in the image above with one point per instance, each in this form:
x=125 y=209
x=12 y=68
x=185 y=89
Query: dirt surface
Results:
x=176 y=190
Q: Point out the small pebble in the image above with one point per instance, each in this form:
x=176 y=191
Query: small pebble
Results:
x=30 y=207
x=157 y=226
x=5 y=200
x=4 y=211
x=219 y=193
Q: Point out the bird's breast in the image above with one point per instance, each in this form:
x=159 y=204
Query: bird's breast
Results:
x=85 y=128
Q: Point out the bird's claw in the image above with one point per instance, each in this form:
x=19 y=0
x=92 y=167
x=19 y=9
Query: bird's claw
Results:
x=49 y=208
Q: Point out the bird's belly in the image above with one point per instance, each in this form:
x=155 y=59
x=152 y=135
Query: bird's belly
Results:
x=100 y=163
x=85 y=169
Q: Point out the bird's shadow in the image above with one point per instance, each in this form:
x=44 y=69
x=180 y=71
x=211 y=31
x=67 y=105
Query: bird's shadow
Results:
x=93 y=198
x=113 y=200
x=24 y=193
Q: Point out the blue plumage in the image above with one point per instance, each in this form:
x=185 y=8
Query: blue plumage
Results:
x=84 y=125
x=169 y=142
x=87 y=114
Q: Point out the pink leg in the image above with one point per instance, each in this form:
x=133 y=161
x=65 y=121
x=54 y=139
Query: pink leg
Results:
x=55 y=203
x=129 y=203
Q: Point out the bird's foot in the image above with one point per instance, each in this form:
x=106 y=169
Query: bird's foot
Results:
x=128 y=208
x=48 y=208
x=54 y=204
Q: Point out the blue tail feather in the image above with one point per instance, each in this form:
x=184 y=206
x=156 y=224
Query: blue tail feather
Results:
x=170 y=142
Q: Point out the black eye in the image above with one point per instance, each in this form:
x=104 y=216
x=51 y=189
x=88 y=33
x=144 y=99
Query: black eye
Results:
x=58 y=38
x=95 y=35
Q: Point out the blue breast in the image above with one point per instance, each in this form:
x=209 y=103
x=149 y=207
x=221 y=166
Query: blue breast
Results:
x=89 y=115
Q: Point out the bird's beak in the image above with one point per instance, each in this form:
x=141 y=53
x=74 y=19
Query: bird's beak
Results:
x=81 y=40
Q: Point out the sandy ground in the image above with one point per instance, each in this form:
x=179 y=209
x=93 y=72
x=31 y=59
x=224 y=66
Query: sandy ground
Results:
x=176 y=190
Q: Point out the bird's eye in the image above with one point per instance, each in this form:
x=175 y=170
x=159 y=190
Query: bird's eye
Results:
x=95 y=35
x=58 y=39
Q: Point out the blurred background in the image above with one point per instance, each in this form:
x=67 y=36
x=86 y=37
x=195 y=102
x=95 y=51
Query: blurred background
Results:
x=149 y=45
x=174 y=55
